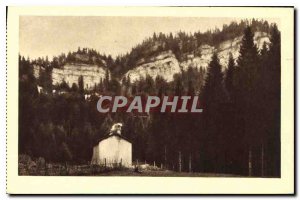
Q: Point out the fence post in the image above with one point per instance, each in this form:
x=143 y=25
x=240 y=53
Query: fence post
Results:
x=262 y=160
x=250 y=162
x=179 y=160
x=165 y=157
x=190 y=163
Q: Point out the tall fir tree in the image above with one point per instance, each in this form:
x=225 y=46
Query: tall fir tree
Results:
x=229 y=76
x=246 y=84
x=213 y=90
x=273 y=94
x=81 y=85
x=213 y=98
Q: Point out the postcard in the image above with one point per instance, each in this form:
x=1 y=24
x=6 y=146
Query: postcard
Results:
x=150 y=100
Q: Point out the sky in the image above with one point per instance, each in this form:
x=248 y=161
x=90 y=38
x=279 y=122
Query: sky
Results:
x=50 y=36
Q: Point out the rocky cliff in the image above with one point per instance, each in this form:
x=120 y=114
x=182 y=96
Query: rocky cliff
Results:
x=166 y=65
x=70 y=73
x=153 y=62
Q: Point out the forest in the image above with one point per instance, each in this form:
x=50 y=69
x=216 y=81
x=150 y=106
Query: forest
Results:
x=237 y=133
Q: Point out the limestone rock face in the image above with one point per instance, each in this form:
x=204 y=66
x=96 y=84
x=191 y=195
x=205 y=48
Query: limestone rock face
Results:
x=223 y=50
x=36 y=71
x=165 y=65
x=70 y=73
x=191 y=60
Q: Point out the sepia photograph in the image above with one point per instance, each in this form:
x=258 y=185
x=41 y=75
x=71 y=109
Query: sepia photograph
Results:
x=150 y=96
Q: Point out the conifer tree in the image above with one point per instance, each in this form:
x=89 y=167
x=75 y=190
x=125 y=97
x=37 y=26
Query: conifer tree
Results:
x=229 y=76
x=213 y=98
x=273 y=94
x=247 y=83
x=81 y=85
x=213 y=88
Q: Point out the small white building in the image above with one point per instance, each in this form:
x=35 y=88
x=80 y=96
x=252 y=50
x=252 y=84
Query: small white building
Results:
x=113 y=150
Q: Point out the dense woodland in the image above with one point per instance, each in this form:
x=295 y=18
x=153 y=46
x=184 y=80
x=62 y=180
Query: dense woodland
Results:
x=237 y=133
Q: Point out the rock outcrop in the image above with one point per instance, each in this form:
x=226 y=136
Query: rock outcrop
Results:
x=166 y=65
x=70 y=73
x=223 y=50
x=36 y=70
x=163 y=64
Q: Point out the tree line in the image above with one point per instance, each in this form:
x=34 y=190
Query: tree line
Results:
x=181 y=44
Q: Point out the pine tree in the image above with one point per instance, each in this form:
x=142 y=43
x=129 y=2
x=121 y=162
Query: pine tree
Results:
x=264 y=51
x=106 y=80
x=247 y=85
x=212 y=100
x=273 y=94
x=248 y=50
x=101 y=86
x=229 y=76
x=74 y=87
x=213 y=88
x=275 y=47
x=81 y=85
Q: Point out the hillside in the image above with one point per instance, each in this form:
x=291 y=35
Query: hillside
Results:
x=185 y=46
x=167 y=65
x=162 y=54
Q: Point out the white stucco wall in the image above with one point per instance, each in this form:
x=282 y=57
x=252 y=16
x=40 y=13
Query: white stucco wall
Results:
x=114 y=150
